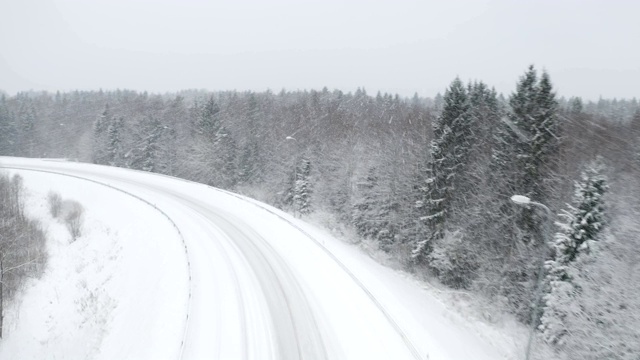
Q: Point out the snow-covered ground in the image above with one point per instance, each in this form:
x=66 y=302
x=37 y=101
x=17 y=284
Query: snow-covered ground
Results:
x=167 y=268
x=109 y=295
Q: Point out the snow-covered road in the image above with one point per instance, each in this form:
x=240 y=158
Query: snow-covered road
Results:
x=263 y=285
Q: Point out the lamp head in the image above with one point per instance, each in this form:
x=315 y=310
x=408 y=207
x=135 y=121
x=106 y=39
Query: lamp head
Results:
x=521 y=200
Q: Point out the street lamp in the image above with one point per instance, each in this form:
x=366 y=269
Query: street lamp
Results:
x=525 y=201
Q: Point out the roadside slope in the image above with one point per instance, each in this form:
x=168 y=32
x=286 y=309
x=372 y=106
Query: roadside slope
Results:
x=90 y=303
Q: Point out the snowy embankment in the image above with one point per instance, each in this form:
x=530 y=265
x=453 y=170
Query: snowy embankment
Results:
x=254 y=282
x=110 y=294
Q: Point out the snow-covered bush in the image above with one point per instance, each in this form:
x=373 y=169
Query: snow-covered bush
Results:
x=73 y=214
x=452 y=261
x=55 y=203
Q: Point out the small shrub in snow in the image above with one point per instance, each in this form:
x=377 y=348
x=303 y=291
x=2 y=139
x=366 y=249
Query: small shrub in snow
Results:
x=55 y=203
x=73 y=218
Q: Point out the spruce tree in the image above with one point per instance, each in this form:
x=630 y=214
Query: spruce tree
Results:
x=251 y=159
x=247 y=165
x=213 y=155
x=449 y=153
x=366 y=207
x=27 y=120
x=532 y=135
x=145 y=154
x=524 y=161
x=582 y=227
x=302 y=190
x=225 y=151
x=7 y=129
x=99 y=146
x=208 y=122
x=114 y=154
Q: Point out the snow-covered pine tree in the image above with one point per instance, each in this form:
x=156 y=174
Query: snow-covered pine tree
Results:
x=302 y=190
x=534 y=145
x=635 y=134
x=365 y=208
x=449 y=153
x=471 y=239
x=247 y=166
x=524 y=159
x=251 y=158
x=7 y=129
x=208 y=122
x=582 y=226
x=175 y=117
x=114 y=155
x=213 y=148
x=27 y=119
x=545 y=140
x=635 y=123
x=225 y=150
x=99 y=145
x=146 y=152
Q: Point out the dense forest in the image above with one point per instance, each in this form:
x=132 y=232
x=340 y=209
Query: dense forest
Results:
x=428 y=180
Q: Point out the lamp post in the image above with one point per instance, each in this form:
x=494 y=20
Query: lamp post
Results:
x=525 y=201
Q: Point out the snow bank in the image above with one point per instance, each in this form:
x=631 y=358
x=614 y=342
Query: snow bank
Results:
x=101 y=296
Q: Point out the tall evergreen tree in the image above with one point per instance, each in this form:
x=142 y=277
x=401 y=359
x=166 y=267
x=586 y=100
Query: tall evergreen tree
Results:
x=226 y=152
x=27 y=119
x=533 y=134
x=213 y=148
x=115 y=132
x=100 y=127
x=449 y=153
x=524 y=160
x=251 y=154
x=581 y=228
x=7 y=129
x=145 y=153
x=247 y=165
x=175 y=117
x=302 y=190
x=208 y=122
x=365 y=213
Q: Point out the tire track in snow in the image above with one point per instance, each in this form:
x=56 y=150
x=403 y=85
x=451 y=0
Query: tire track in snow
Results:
x=271 y=270
x=297 y=322
x=239 y=294
x=405 y=338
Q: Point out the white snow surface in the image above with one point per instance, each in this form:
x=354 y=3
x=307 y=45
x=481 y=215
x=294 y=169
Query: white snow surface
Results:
x=170 y=269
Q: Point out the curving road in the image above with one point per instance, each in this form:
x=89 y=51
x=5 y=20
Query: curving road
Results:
x=259 y=287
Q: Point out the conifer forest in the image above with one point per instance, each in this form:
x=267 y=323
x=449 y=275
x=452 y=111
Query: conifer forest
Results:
x=428 y=181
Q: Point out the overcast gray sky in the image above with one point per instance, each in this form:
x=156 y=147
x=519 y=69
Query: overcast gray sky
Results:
x=590 y=48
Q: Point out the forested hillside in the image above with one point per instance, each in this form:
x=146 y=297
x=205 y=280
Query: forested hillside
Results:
x=428 y=180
